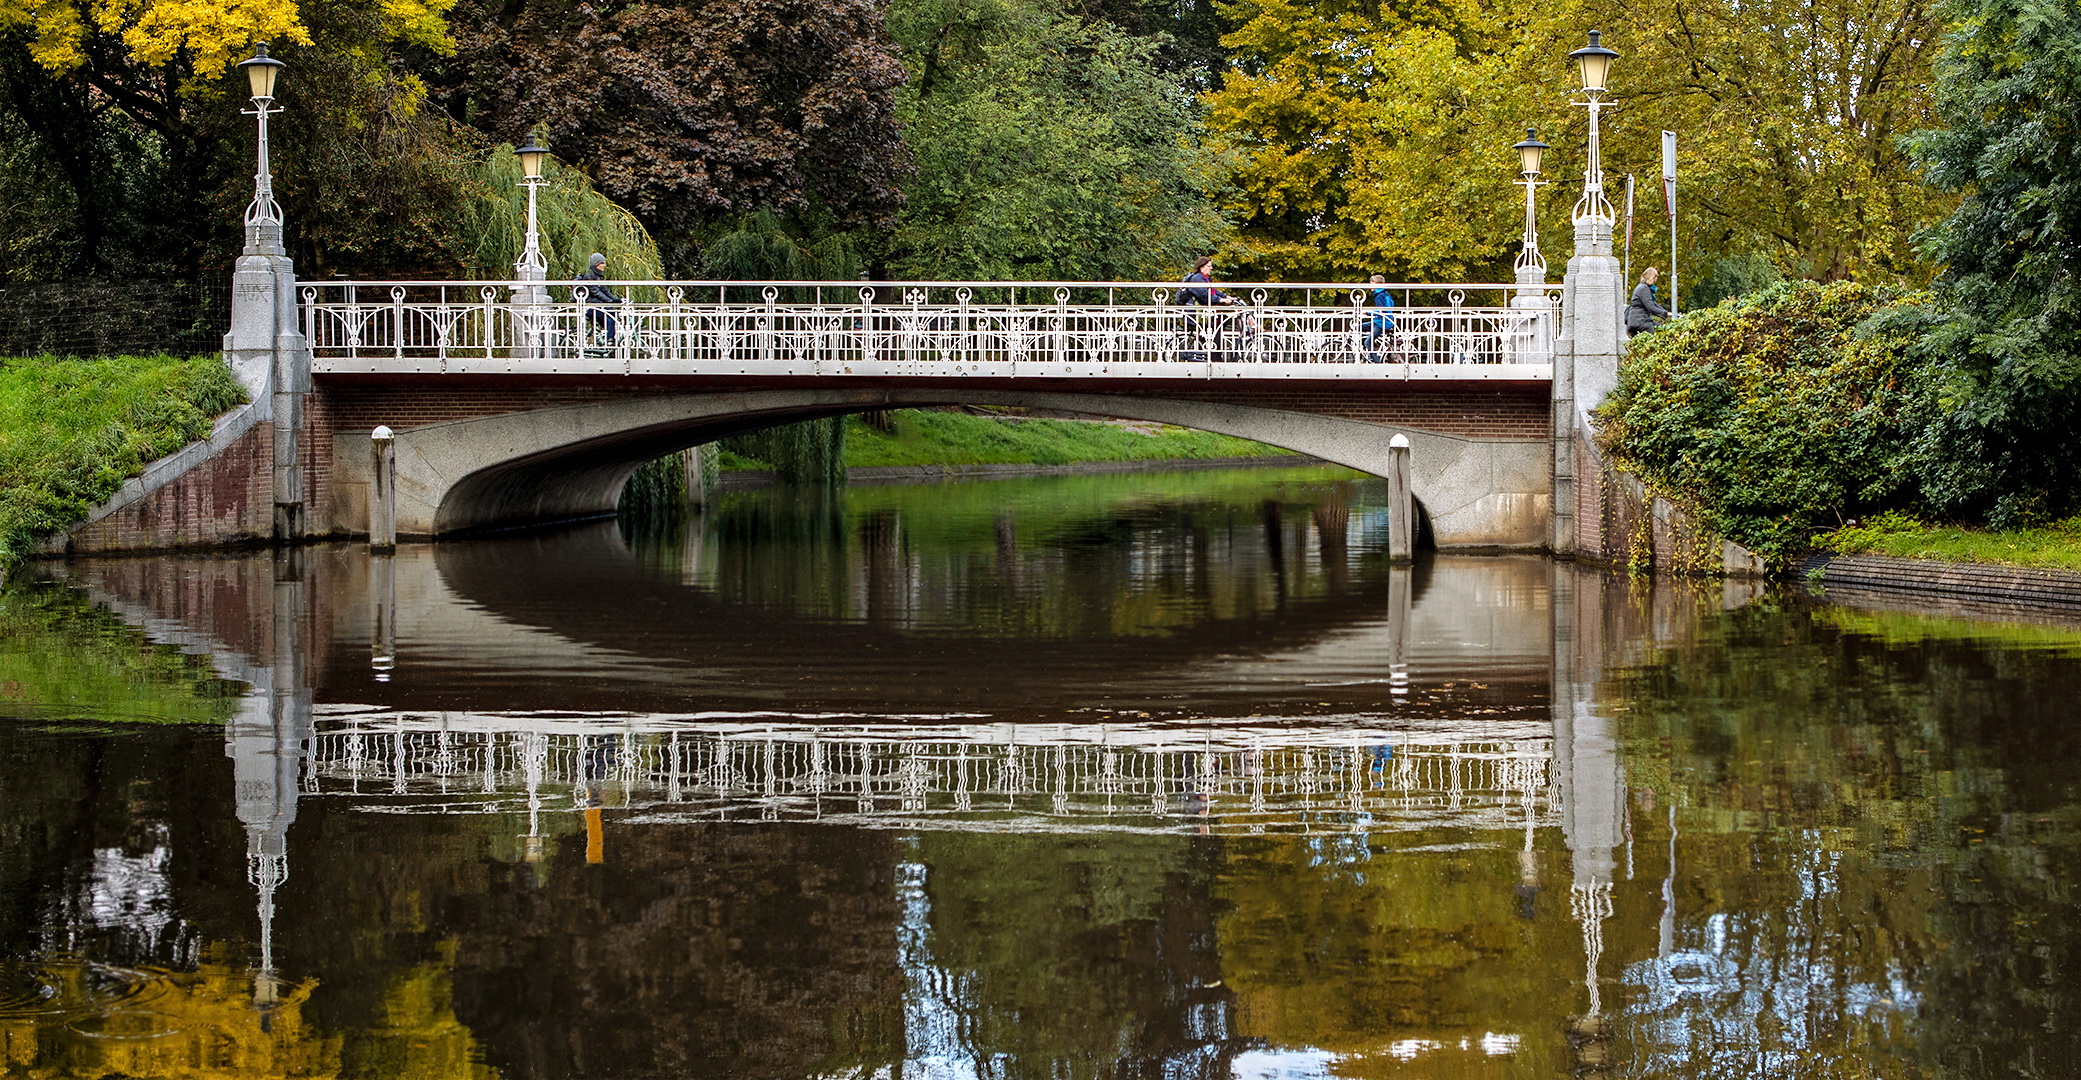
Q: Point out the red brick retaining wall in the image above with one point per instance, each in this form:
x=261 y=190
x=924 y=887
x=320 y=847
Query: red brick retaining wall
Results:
x=225 y=500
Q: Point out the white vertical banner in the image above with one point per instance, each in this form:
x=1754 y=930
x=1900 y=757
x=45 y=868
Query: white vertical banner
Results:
x=1669 y=201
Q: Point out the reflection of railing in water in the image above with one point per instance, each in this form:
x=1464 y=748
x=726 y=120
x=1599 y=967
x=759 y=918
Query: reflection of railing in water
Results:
x=972 y=776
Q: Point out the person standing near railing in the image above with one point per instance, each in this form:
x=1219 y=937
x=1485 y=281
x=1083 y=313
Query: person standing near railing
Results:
x=1645 y=312
x=1380 y=325
x=590 y=295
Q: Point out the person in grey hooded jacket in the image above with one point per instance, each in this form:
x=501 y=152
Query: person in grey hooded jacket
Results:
x=1645 y=312
x=591 y=295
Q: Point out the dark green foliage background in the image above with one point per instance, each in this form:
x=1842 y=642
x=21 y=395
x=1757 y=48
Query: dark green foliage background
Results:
x=2009 y=346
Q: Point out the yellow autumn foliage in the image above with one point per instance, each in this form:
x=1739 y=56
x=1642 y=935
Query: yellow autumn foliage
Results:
x=211 y=34
x=1370 y=136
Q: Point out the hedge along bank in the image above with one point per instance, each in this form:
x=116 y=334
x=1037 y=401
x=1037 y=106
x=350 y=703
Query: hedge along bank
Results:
x=1780 y=415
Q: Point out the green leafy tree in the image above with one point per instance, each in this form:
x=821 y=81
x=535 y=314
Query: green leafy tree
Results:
x=126 y=115
x=761 y=247
x=1352 y=125
x=1047 y=147
x=1789 y=115
x=573 y=218
x=1376 y=137
x=2009 y=92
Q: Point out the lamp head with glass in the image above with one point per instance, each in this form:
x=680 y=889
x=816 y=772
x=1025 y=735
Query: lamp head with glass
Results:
x=261 y=71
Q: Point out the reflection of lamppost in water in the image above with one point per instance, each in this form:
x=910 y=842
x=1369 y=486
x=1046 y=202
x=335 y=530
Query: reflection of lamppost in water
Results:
x=534 y=755
x=1528 y=860
x=1590 y=1033
x=267 y=752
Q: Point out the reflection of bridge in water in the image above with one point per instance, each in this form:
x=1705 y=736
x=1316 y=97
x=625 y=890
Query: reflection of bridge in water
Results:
x=881 y=772
x=1413 y=763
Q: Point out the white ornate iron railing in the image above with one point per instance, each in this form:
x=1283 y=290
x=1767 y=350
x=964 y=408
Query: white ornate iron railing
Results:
x=960 y=775
x=929 y=328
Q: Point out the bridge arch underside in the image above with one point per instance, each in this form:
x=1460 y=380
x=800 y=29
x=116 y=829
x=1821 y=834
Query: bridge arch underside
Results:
x=558 y=463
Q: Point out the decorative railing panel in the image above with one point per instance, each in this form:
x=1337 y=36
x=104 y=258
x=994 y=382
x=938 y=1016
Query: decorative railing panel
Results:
x=929 y=328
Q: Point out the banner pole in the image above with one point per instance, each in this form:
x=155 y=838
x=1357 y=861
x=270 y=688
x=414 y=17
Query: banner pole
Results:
x=1669 y=196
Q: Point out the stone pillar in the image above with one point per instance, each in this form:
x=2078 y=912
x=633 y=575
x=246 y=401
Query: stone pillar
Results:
x=1586 y=360
x=267 y=351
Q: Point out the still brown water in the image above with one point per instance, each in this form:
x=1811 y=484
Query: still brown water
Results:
x=1165 y=776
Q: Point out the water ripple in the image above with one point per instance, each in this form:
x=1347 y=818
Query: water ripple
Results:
x=67 y=988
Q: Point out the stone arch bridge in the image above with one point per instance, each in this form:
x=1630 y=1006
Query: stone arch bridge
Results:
x=514 y=405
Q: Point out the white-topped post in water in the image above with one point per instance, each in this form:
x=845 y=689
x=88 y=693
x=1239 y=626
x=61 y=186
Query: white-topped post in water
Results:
x=265 y=346
x=1401 y=504
x=383 y=490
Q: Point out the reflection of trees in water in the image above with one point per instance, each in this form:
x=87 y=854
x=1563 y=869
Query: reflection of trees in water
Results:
x=127 y=919
x=690 y=950
x=1080 y=957
x=1381 y=949
x=1866 y=828
x=1108 y=558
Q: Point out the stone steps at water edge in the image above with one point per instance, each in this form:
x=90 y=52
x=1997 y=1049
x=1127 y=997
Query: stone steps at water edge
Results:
x=1998 y=589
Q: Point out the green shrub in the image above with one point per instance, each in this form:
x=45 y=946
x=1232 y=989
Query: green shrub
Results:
x=71 y=431
x=1780 y=413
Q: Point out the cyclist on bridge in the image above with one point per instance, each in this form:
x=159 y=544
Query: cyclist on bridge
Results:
x=590 y=295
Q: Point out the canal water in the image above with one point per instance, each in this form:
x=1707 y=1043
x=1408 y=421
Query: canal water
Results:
x=1161 y=775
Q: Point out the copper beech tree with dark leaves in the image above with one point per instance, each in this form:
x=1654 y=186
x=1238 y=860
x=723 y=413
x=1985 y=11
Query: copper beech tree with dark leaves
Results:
x=691 y=111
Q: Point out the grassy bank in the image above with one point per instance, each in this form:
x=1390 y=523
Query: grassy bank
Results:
x=925 y=437
x=2056 y=546
x=71 y=431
